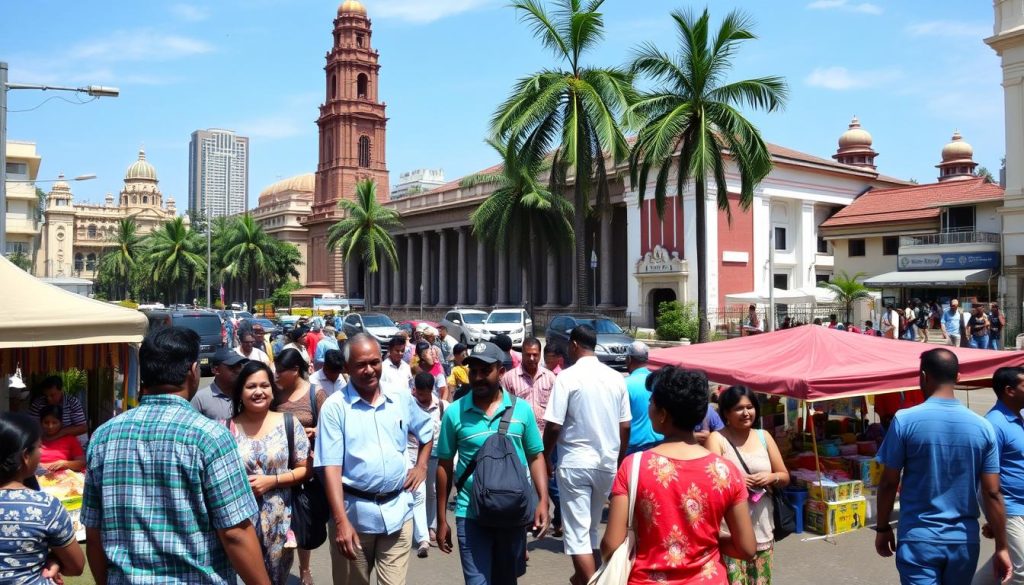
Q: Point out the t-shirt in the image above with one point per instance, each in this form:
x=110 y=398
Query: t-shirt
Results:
x=464 y=428
x=589 y=400
x=942 y=448
x=1009 y=430
x=679 y=507
x=32 y=523
x=63 y=449
x=951 y=322
x=458 y=377
x=640 y=431
x=72 y=413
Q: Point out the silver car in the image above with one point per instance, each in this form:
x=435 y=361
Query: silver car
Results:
x=466 y=325
x=612 y=341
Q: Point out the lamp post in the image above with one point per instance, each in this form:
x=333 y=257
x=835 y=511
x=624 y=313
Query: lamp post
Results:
x=5 y=86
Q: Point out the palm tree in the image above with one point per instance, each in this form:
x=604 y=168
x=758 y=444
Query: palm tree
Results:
x=364 y=232
x=521 y=213
x=21 y=260
x=246 y=253
x=848 y=289
x=119 y=262
x=573 y=111
x=692 y=112
x=176 y=256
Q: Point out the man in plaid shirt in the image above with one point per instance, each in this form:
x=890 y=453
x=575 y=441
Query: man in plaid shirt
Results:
x=166 y=497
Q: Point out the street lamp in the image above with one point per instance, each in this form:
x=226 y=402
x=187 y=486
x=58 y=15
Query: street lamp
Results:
x=92 y=90
x=88 y=177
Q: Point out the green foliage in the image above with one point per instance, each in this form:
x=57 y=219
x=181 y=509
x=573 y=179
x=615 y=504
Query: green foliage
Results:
x=21 y=260
x=217 y=304
x=282 y=296
x=129 y=304
x=175 y=256
x=677 y=321
x=74 y=380
x=848 y=289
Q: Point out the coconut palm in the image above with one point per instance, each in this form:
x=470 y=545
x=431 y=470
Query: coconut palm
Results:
x=364 y=232
x=521 y=214
x=120 y=261
x=176 y=255
x=692 y=111
x=848 y=290
x=246 y=254
x=573 y=111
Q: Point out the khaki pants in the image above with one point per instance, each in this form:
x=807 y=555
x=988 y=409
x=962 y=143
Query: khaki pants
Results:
x=388 y=554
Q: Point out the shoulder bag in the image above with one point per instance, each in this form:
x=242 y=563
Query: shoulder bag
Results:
x=616 y=570
x=783 y=512
x=309 y=501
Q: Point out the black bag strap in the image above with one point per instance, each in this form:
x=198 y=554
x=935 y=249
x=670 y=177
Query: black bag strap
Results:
x=506 y=420
x=289 y=429
x=312 y=403
x=738 y=456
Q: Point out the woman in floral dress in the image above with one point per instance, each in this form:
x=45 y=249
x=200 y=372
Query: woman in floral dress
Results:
x=683 y=494
x=263 y=447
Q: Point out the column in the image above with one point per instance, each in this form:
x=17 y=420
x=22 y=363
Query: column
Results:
x=551 y=298
x=425 y=269
x=410 y=273
x=605 y=262
x=396 y=275
x=502 y=284
x=382 y=279
x=460 y=296
x=481 y=273
x=442 y=268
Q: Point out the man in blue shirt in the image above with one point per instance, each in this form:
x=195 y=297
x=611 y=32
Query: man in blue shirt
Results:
x=361 y=446
x=952 y=323
x=944 y=451
x=641 y=435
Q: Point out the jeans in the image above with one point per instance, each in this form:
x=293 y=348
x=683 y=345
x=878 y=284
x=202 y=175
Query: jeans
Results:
x=490 y=556
x=936 y=563
x=556 y=520
x=994 y=340
x=979 y=341
x=431 y=482
x=911 y=333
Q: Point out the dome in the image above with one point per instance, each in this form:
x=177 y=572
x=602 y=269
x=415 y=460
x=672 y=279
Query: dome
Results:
x=855 y=136
x=140 y=169
x=351 y=7
x=958 y=149
x=298 y=184
x=61 y=184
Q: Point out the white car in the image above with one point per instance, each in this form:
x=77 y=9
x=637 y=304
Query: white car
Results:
x=516 y=323
x=466 y=325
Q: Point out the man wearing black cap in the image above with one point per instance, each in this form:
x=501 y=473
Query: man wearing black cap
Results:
x=214 y=401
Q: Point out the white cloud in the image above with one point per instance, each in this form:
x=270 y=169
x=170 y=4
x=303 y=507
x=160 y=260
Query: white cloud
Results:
x=950 y=28
x=140 y=45
x=421 y=12
x=841 y=78
x=190 y=12
x=846 y=5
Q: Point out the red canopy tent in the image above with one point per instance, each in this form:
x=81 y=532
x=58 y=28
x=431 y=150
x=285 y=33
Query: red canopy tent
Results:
x=815 y=363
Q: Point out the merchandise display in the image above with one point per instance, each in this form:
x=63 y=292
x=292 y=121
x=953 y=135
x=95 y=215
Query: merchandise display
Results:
x=830 y=518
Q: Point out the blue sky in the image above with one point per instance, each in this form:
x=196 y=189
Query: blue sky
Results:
x=913 y=71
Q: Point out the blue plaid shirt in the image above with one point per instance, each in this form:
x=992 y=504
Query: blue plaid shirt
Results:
x=161 y=479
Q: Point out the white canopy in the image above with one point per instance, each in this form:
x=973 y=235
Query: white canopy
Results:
x=930 y=278
x=782 y=297
x=36 y=314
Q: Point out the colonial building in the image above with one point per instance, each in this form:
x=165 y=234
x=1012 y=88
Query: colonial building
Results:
x=283 y=206
x=74 y=236
x=22 y=202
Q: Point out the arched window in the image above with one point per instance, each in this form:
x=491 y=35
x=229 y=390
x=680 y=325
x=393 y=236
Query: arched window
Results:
x=364 y=151
x=329 y=146
x=359 y=41
x=334 y=86
x=79 y=261
x=145 y=199
x=361 y=86
x=90 y=262
x=92 y=230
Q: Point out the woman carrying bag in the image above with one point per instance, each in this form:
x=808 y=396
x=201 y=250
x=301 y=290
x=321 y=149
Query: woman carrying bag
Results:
x=683 y=493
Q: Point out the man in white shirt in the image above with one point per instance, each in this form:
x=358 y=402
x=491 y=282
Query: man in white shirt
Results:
x=395 y=373
x=247 y=348
x=588 y=419
x=330 y=377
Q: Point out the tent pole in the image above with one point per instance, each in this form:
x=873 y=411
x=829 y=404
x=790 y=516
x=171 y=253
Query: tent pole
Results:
x=814 y=442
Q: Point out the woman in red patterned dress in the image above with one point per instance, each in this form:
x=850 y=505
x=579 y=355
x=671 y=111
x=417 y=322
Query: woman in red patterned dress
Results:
x=683 y=494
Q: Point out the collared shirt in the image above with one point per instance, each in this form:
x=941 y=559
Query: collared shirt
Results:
x=435 y=411
x=395 y=378
x=326 y=344
x=368 y=442
x=951 y=322
x=641 y=433
x=534 y=389
x=589 y=400
x=213 y=403
x=321 y=381
x=1010 y=437
x=161 y=479
x=256 y=354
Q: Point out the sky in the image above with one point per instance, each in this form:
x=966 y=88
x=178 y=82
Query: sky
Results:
x=913 y=71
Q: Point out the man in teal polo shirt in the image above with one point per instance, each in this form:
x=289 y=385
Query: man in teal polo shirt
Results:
x=489 y=556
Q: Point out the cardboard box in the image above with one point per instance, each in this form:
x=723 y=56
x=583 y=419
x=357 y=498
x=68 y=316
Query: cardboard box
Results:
x=835 y=517
x=831 y=491
x=869 y=470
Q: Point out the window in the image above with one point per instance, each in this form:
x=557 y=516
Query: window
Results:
x=145 y=199
x=361 y=86
x=452 y=317
x=334 y=86
x=890 y=245
x=90 y=262
x=822 y=278
x=364 y=151
x=79 y=261
x=780 y=238
x=359 y=40
x=822 y=245
x=856 y=247
x=17 y=168
x=958 y=219
x=92 y=231
x=780 y=281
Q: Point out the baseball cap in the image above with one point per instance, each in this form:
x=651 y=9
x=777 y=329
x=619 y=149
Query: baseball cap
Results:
x=487 y=353
x=227 y=357
x=637 y=351
x=329 y=330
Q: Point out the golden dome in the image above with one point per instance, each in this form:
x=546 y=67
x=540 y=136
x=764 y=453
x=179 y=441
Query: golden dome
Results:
x=855 y=136
x=140 y=169
x=958 y=149
x=351 y=7
x=297 y=184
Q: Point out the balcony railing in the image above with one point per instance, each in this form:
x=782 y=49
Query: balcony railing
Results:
x=950 y=238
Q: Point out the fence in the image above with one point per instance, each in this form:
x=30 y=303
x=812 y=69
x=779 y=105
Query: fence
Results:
x=729 y=321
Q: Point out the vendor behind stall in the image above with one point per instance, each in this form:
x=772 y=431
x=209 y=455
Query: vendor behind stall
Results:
x=51 y=392
x=58 y=452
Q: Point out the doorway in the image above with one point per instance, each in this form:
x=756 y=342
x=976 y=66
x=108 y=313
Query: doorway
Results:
x=658 y=296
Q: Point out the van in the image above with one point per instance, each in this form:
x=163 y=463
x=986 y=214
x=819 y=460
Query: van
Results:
x=207 y=324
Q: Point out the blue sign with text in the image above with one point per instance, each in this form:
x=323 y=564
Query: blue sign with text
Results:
x=962 y=261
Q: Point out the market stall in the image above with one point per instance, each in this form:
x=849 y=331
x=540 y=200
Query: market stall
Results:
x=820 y=376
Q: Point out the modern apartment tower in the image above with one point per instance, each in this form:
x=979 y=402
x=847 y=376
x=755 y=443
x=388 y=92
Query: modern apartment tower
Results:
x=218 y=172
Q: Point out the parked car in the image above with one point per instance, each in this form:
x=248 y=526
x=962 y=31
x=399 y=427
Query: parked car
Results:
x=207 y=324
x=466 y=325
x=379 y=325
x=612 y=341
x=516 y=323
x=271 y=328
x=287 y=322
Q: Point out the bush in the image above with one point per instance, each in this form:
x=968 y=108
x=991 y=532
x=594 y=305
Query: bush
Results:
x=677 y=321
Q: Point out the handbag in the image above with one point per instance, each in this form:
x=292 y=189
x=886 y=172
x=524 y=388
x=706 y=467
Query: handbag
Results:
x=616 y=570
x=309 y=501
x=783 y=511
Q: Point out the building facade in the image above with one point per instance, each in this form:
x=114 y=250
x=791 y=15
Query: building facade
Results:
x=23 y=215
x=75 y=236
x=218 y=173
x=283 y=206
x=418 y=181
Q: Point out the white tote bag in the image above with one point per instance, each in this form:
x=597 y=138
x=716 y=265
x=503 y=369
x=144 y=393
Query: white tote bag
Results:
x=616 y=570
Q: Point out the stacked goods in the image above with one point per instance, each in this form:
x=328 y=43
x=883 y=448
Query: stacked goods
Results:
x=835 y=517
x=67 y=486
x=835 y=491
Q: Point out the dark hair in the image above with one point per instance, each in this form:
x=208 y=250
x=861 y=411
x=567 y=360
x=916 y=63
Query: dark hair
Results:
x=833 y=317
x=51 y=382
x=422 y=346
x=584 y=336
x=554 y=348
x=1006 y=378
x=504 y=342
x=817 y=321
x=868 y=323
x=397 y=340
x=459 y=348
x=532 y=342
x=18 y=433
x=423 y=380
x=334 y=360
x=941 y=365
x=166 y=357
x=731 y=397
x=51 y=410
x=683 y=394
x=250 y=368
x=296 y=333
x=290 y=358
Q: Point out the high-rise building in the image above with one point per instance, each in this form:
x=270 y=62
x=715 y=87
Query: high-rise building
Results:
x=218 y=173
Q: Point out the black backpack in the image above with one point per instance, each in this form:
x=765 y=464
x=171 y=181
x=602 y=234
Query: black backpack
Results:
x=502 y=497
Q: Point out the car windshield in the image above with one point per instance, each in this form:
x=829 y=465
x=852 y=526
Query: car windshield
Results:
x=377 y=321
x=265 y=322
x=503 y=318
x=606 y=326
x=473 y=318
x=201 y=324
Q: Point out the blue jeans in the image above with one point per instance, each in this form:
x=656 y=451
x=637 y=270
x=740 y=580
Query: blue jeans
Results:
x=491 y=556
x=979 y=341
x=929 y=563
x=911 y=333
x=556 y=521
x=993 y=340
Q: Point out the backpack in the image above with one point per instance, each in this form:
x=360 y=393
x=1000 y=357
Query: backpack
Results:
x=502 y=496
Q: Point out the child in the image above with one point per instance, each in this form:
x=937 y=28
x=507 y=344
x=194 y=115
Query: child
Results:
x=58 y=454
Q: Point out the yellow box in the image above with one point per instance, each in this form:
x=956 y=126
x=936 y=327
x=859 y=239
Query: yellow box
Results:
x=835 y=491
x=835 y=517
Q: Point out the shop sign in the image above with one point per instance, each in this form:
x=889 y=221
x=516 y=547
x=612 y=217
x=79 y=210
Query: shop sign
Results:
x=960 y=261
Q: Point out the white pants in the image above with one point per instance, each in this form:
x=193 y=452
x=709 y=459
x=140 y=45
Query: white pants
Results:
x=419 y=515
x=1015 y=538
x=583 y=494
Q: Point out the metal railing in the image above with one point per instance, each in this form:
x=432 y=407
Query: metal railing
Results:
x=947 y=238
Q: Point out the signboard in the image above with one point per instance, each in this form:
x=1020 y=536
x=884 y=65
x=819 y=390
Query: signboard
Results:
x=659 y=261
x=329 y=302
x=960 y=261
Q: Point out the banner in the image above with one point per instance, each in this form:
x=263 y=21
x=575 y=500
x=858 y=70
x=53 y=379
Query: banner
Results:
x=960 y=261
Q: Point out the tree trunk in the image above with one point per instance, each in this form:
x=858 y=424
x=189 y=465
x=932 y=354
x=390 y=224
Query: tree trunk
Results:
x=527 y=257
x=367 y=283
x=579 y=225
x=702 y=251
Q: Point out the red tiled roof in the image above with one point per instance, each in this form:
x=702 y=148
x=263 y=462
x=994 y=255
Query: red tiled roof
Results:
x=916 y=202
